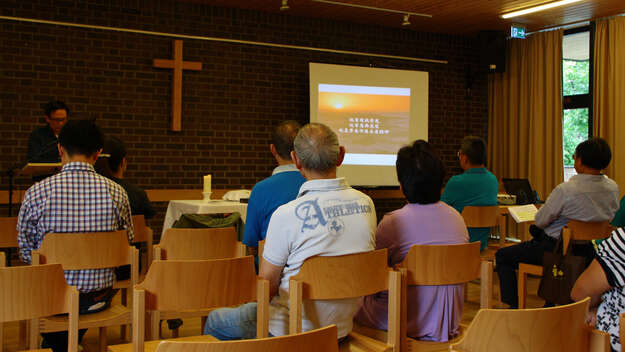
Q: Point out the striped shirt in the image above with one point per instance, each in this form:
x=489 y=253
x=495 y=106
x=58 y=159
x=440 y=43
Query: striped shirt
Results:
x=75 y=200
x=611 y=256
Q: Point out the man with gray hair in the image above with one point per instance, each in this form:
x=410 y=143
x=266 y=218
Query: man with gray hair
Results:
x=328 y=218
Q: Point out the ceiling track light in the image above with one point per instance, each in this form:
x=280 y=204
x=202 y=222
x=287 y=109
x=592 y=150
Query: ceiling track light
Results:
x=538 y=8
x=285 y=5
x=373 y=8
x=406 y=21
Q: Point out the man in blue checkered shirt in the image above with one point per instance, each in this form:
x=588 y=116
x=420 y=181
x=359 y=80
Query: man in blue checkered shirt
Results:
x=75 y=200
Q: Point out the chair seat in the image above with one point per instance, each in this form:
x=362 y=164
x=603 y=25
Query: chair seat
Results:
x=412 y=345
x=356 y=342
x=531 y=269
x=150 y=346
x=115 y=315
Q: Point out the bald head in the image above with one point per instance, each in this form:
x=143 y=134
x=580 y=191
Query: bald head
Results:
x=317 y=148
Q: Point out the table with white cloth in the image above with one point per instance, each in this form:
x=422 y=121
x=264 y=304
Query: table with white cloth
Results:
x=176 y=208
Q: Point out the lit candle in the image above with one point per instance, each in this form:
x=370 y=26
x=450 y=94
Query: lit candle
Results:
x=207 y=183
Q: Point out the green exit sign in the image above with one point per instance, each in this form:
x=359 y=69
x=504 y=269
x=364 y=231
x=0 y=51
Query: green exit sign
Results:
x=517 y=32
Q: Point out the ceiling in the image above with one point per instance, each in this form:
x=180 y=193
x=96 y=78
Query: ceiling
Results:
x=448 y=16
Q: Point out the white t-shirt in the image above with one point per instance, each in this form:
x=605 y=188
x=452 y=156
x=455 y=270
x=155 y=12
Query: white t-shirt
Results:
x=328 y=218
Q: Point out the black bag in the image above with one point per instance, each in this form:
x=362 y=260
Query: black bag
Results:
x=560 y=273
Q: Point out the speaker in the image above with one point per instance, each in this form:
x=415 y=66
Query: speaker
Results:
x=492 y=46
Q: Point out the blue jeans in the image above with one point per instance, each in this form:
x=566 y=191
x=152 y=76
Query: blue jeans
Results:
x=232 y=323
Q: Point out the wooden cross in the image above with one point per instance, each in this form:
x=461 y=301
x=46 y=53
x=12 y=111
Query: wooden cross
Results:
x=176 y=96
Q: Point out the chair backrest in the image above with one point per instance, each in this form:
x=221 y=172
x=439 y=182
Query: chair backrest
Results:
x=199 y=285
x=28 y=292
x=8 y=232
x=199 y=244
x=80 y=251
x=585 y=231
x=347 y=276
x=481 y=216
x=335 y=277
x=141 y=230
x=442 y=264
x=323 y=339
x=560 y=328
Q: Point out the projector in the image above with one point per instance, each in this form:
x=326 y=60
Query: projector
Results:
x=506 y=199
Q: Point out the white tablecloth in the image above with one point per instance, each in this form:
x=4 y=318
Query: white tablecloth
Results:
x=176 y=208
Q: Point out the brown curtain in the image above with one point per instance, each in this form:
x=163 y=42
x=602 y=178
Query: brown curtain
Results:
x=609 y=92
x=525 y=113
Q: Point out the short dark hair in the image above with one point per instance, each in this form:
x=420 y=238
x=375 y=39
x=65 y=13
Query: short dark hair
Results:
x=53 y=106
x=283 y=137
x=420 y=172
x=594 y=153
x=475 y=149
x=81 y=137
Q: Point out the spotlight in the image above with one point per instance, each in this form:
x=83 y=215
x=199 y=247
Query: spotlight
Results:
x=406 y=21
x=285 y=5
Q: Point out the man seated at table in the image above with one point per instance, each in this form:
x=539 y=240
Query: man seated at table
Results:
x=587 y=196
x=75 y=200
x=476 y=186
x=303 y=228
x=270 y=193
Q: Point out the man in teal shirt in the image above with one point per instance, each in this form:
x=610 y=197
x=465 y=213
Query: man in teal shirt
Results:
x=619 y=217
x=476 y=186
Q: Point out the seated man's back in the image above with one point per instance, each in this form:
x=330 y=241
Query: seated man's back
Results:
x=476 y=186
x=272 y=192
x=328 y=219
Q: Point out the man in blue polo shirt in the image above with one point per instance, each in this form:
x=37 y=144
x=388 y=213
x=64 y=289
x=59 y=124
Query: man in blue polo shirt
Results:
x=476 y=186
x=270 y=193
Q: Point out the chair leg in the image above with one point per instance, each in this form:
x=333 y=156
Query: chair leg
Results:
x=124 y=301
x=203 y=324
x=102 y=339
x=22 y=343
x=521 y=288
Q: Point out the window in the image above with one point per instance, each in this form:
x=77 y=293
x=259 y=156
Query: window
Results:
x=576 y=91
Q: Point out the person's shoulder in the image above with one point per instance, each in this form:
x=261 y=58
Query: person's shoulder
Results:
x=111 y=185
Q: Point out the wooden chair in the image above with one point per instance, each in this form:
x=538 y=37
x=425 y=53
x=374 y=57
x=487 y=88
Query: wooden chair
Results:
x=348 y=276
x=442 y=265
x=8 y=234
x=323 y=339
x=485 y=216
x=557 y=329
x=28 y=292
x=199 y=244
x=142 y=234
x=196 y=285
x=194 y=244
x=81 y=251
x=574 y=230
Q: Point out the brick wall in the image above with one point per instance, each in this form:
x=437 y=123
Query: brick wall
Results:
x=230 y=106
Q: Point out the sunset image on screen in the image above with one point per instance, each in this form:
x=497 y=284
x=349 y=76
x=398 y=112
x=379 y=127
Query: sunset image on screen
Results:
x=368 y=120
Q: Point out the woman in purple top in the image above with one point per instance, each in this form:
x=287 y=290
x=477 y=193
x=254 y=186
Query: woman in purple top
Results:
x=434 y=312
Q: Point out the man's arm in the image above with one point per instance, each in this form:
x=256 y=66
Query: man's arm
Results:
x=27 y=236
x=251 y=234
x=592 y=283
x=272 y=274
x=34 y=147
x=552 y=208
